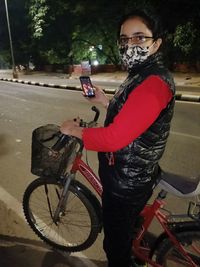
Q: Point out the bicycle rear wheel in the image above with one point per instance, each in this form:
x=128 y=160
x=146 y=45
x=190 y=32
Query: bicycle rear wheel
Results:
x=169 y=256
x=78 y=225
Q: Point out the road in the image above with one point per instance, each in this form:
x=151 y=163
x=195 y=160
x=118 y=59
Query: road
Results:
x=25 y=107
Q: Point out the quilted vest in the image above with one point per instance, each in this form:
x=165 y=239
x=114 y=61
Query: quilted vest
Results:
x=134 y=165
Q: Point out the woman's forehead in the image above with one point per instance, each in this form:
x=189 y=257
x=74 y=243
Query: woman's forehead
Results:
x=133 y=26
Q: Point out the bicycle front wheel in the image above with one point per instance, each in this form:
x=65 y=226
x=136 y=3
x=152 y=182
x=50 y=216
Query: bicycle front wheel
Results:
x=78 y=225
x=169 y=256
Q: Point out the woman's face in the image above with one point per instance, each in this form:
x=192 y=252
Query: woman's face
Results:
x=135 y=32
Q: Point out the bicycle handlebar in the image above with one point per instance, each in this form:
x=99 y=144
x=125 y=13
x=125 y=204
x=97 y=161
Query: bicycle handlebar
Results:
x=63 y=138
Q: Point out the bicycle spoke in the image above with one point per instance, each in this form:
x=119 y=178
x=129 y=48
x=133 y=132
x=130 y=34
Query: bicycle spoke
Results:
x=77 y=224
x=71 y=221
x=196 y=249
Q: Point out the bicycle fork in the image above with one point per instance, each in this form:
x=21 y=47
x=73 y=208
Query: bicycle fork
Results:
x=60 y=209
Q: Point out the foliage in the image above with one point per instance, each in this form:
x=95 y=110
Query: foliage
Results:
x=37 y=11
x=62 y=32
x=184 y=37
x=5 y=59
x=94 y=46
x=50 y=25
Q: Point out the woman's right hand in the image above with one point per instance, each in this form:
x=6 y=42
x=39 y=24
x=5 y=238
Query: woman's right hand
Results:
x=100 y=97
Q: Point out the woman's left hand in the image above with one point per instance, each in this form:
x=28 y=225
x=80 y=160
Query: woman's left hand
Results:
x=72 y=127
x=68 y=126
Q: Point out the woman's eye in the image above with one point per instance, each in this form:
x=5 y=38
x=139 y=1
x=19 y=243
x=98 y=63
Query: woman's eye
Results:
x=123 y=40
x=141 y=38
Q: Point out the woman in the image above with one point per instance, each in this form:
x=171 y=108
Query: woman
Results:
x=134 y=135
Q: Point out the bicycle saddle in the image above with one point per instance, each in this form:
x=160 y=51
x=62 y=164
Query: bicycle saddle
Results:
x=179 y=185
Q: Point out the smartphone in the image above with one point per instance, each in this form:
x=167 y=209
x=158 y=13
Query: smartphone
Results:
x=87 y=86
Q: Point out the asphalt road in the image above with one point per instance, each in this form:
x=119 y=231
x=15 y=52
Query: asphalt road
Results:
x=25 y=107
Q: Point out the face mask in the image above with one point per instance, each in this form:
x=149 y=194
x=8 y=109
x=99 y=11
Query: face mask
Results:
x=132 y=55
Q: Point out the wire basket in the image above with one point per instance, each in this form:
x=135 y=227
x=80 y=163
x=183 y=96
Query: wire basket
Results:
x=44 y=160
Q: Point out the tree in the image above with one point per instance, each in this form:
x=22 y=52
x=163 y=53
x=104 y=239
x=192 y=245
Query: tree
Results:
x=50 y=24
x=181 y=19
x=19 y=31
x=61 y=32
x=89 y=23
x=184 y=39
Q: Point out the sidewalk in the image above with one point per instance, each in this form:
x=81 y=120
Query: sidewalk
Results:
x=188 y=84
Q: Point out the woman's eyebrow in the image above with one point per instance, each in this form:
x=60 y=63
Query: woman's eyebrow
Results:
x=133 y=34
x=138 y=33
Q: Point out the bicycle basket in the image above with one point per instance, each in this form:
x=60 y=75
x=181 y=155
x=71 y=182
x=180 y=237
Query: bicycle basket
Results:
x=45 y=161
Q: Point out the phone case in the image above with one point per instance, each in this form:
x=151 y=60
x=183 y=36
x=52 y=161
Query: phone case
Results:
x=87 y=86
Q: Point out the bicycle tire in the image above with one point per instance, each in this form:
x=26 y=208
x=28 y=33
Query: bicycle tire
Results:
x=169 y=256
x=79 y=225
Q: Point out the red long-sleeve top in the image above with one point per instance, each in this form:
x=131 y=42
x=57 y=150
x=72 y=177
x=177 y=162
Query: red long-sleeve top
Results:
x=140 y=110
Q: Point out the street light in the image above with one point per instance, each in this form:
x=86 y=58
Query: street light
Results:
x=10 y=39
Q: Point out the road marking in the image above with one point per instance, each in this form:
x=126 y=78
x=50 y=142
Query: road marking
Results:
x=14 y=205
x=185 y=135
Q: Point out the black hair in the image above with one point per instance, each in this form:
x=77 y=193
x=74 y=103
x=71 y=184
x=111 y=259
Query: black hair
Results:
x=152 y=21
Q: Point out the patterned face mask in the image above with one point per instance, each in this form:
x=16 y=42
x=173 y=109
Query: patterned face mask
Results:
x=132 y=55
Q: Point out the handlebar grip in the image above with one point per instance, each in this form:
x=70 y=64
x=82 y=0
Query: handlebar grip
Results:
x=61 y=142
x=95 y=109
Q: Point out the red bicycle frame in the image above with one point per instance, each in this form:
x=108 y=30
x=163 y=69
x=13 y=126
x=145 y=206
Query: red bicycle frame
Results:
x=149 y=213
x=87 y=172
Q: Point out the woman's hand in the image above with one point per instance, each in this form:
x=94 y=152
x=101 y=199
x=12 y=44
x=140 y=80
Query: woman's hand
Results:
x=100 y=97
x=71 y=127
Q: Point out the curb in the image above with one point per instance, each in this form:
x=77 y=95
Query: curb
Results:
x=178 y=97
x=62 y=86
x=189 y=98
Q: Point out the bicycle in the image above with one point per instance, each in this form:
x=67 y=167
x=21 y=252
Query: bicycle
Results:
x=67 y=215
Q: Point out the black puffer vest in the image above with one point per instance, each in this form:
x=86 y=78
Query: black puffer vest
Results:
x=134 y=165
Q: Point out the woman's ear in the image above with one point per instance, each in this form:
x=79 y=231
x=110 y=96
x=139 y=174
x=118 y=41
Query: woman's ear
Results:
x=157 y=44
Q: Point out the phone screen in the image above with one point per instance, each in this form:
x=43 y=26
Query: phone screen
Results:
x=87 y=86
